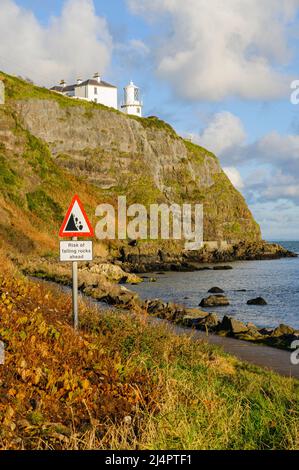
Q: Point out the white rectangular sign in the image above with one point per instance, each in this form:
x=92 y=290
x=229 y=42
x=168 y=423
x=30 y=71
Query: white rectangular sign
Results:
x=76 y=250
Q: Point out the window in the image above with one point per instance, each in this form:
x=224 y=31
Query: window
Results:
x=138 y=110
x=95 y=90
x=136 y=94
x=95 y=100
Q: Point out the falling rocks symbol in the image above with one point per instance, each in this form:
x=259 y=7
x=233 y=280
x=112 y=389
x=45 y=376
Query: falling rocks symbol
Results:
x=74 y=225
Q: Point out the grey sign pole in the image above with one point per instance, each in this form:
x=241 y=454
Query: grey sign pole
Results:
x=75 y=292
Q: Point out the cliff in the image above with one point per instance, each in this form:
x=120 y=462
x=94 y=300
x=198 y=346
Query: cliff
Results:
x=52 y=146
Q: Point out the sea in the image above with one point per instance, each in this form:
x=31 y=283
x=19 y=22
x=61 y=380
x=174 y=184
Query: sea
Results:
x=277 y=281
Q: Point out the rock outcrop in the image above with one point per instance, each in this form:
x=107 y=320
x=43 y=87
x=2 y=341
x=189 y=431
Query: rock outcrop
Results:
x=215 y=301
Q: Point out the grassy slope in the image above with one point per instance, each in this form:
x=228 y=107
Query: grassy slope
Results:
x=122 y=383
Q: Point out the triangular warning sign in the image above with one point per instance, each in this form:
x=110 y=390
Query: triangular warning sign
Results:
x=76 y=223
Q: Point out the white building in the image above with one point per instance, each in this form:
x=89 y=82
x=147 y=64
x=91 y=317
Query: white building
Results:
x=132 y=103
x=94 y=89
x=2 y=92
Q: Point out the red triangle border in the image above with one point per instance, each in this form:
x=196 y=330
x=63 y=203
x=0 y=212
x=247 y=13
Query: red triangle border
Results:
x=66 y=218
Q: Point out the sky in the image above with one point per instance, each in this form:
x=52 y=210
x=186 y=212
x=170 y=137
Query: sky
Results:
x=218 y=72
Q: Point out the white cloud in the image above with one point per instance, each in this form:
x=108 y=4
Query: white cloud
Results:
x=278 y=220
x=278 y=149
x=223 y=133
x=234 y=176
x=209 y=50
x=76 y=43
x=275 y=159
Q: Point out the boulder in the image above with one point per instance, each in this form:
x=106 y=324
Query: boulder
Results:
x=214 y=301
x=89 y=279
x=232 y=325
x=216 y=290
x=266 y=331
x=222 y=268
x=211 y=321
x=257 y=301
x=283 y=330
x=113 y=272
x=196 y=312
x=155 y=306
x=191 y=321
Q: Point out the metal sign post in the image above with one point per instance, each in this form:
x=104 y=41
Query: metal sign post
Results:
x=76 y=224
x=75 y=291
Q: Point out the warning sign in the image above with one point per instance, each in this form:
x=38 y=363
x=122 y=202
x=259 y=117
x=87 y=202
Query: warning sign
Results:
x=76 y=223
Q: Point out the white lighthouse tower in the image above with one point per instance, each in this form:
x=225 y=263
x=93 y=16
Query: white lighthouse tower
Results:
x=132 y=103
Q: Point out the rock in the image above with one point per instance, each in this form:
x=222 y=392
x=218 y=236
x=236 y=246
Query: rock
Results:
x=113 y=294
x=193 y=317
x=222 y=268
x=123 y=280
x=232 y=325
x=266 y=331
x=215 y=301
x=154 y=306
x=257 y=301
x=191 y=321
x=196 y=312
x=211 y=321
x=216 y=290
x=283 y=330
x=89 y=279
x=252 y=333
x=112 y=272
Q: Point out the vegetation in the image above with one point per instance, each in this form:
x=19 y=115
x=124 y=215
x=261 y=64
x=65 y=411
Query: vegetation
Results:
x=44 y=206
x=198 y=152
x=123 y=383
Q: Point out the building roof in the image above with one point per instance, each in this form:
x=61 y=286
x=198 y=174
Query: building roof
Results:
x=63 y=88
x=94 y=82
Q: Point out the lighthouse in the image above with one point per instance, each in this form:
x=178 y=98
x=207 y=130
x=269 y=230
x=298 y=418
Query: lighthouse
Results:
x=132 y=103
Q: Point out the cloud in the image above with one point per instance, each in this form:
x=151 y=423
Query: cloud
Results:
x=78 y=42
x=277 y=149
x=275 y=159
x=131 y=55
x=278 y=220
x=223 y=133
x=213 y=50
x=235 y=177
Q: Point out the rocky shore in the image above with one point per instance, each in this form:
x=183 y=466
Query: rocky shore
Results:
x=135 y=258
x=105 y=282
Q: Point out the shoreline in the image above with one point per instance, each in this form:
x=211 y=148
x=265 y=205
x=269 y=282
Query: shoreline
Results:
x=134 y=258
x=261 y=355
x=108 y=282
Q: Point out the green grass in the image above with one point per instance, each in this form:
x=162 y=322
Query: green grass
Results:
x=198 y=153
x=44 y=207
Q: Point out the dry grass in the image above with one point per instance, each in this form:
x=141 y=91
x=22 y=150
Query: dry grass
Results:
x=123 y=383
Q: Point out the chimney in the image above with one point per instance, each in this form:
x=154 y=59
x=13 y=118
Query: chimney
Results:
x=97 y=77
x=62 y=83
x=79 y=81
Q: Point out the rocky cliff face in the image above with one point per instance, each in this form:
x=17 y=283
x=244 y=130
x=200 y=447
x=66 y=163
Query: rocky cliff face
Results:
x=52 y=147
x=143 y=159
